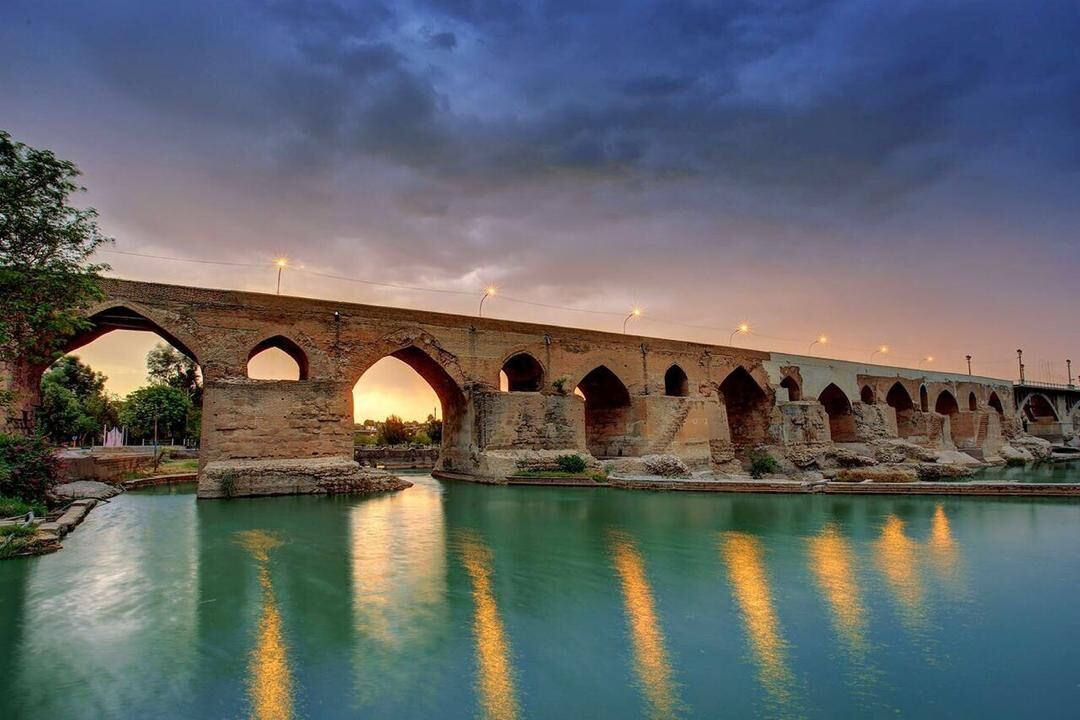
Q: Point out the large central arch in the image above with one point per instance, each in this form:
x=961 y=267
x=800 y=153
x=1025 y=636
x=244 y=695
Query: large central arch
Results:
x=440 y=370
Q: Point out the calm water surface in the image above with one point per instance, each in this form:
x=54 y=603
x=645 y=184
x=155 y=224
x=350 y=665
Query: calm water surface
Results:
x=465 y=601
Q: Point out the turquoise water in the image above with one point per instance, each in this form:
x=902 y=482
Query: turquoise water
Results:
x=466 y=601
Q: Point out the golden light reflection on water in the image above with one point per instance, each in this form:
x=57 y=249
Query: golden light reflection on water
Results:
x=944 y=551
x=833 y=563
x=897 y=559
x=270 y=678
x=750 y=585
x=495 y=671
x=650 y=656
x=398 y=565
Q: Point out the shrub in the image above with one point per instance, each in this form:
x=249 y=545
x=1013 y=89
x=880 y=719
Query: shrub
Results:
x=599 y=477
x=571 y=463
x=13 y=507
x=762 y=464
x=559 y=384
x=17 y=531
x=28 y=468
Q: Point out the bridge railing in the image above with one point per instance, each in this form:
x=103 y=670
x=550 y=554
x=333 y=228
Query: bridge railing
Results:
x=1046 y=385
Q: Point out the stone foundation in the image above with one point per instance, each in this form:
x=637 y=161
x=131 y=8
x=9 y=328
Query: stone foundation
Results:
x=236 y=478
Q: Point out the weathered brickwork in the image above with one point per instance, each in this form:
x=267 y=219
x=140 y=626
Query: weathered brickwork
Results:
x=705 y=404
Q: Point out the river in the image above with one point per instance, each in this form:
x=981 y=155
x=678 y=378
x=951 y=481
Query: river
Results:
x=452 y=600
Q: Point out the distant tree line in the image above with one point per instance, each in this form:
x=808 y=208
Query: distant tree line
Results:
x=395 y=431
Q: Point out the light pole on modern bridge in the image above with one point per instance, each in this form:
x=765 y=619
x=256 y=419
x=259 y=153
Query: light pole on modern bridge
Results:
x=928 y=359
x=969 y=363
x=884 y=349
x=742 y=329
x=821 y=339
x=636 y=312
x=490 y=290
x=1020 y=361
x=1068 y=369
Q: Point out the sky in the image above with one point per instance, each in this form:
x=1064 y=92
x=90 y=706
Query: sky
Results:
x=898 y=173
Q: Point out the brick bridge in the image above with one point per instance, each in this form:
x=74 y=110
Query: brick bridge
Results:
x=708 y=404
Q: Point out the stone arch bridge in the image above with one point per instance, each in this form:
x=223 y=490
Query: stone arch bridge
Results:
x=707 y=404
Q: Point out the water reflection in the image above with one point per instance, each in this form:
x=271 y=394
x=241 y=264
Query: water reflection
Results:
x=944 y=552
x=650 y=656
x=897 y=559
x=750 y=585
x=833 y=563
x=495 y=671
x=270 y=679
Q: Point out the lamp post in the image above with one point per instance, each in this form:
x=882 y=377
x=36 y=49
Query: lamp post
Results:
x=281 y=263
x=883 y=350
x=969 y=363
x=1068 y=369
x=1020 y=361
x=742 y=329
x=821 y=339
x=928 y=359
x=636 y=312
x=488 y=291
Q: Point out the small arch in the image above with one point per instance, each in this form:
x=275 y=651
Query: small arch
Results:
x=676 y=384
x=524 y=373
x=995 y=402
x=838 y=408
x=281 y=344
x=794 y=392
x=946 y=404
x=866 y=395
x=924 y=399
x=973 y=403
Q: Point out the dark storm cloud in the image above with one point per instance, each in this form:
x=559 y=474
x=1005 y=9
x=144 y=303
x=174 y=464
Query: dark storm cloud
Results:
x=446 y=140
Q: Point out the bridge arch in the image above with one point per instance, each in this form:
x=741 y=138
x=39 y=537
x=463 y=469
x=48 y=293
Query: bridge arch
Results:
x=609 y=430
x=995 y=402
x=676 y=384
x=838 y=408
x=924 y=399
x=946 y=404
x=747 y=408
x=523 y=372
x=866 y=395
x=123 y=315
x=900 y=401
x=442 y=372
x=1038 y=408
x=794 y=392
x=286 y=345
x=973 y=402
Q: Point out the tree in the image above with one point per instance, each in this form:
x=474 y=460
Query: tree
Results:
x=170 y=407
x=165 y=365
x=46 y=279
x=393 y=431
x=434 y=430
x=74 y=401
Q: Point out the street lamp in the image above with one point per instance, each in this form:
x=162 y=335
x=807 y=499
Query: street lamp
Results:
x=490 y=290
x=636 y=312
x=281 y=263
x=742 y=329
x=928 y=359
x=884 y=349
x=821 y=339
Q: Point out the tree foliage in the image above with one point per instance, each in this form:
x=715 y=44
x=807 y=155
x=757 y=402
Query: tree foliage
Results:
x=28 y=467
x=393 y=431
x=434 y=429
x=165 y=365
x=46 y=278
x=74 y=402
x=171 y=407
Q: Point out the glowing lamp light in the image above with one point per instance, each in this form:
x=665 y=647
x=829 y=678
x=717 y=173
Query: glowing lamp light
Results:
x=636 y=312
